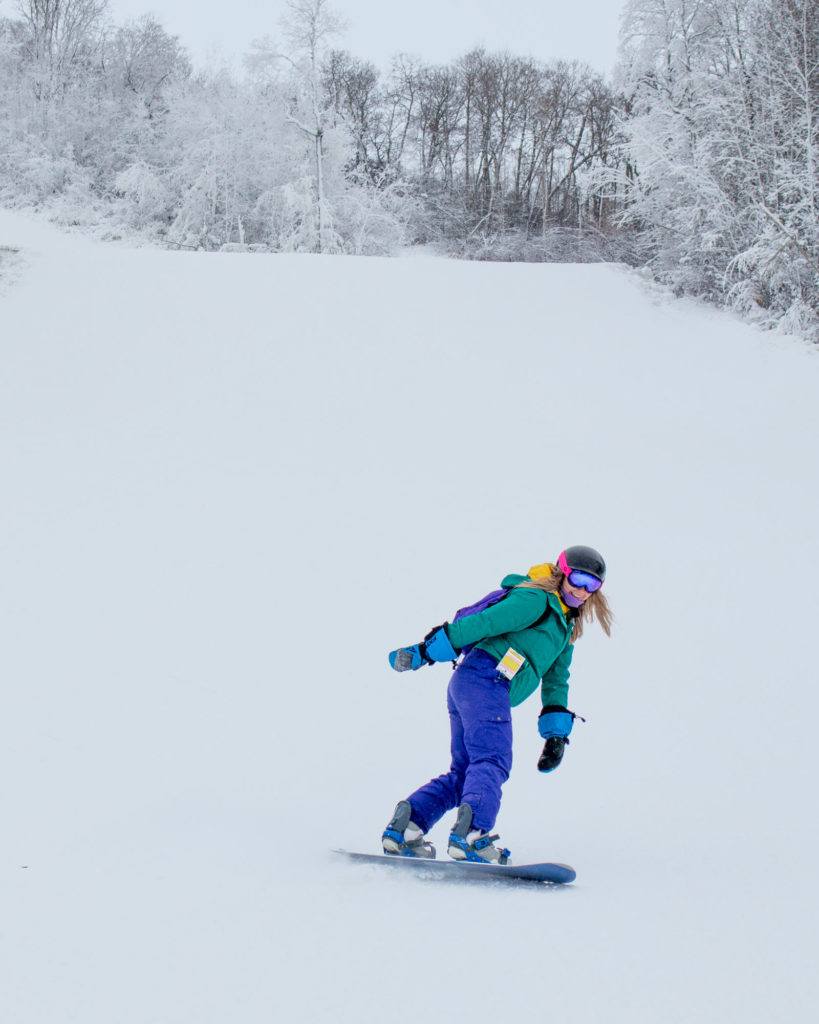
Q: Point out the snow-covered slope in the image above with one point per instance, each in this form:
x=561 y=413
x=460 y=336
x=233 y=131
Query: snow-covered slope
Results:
x=231 y=484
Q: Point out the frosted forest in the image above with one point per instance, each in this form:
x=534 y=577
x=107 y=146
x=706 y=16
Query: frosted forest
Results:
x=695 y=159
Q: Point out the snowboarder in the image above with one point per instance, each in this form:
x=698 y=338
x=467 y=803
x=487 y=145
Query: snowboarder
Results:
x=524 y=639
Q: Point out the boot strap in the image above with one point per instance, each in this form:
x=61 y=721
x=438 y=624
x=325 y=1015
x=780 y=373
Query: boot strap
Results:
x=483 y=842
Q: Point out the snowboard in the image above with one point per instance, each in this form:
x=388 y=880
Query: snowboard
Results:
x=465 y=871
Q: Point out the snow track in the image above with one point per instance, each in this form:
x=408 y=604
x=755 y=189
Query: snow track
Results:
x=233 y=483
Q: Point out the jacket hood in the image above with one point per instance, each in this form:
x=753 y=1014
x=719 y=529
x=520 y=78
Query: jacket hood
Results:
x=513 y=579
x=545 y=569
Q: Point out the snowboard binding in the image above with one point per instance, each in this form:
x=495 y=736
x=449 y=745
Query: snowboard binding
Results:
x=466 y=843
x=403 y=838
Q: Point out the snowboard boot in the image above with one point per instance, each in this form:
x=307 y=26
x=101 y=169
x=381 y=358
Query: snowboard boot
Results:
x=403 y=838
x=466 y=843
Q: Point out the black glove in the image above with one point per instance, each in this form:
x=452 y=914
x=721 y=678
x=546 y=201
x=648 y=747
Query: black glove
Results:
x=552 y=754
x=554 y=724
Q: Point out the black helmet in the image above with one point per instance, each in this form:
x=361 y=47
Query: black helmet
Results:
x=585 y=559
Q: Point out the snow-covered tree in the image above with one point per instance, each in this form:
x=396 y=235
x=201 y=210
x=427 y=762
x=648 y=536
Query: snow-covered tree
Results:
x=308 y=27
x=146 y=60
x=62 y=38
x=723 y=138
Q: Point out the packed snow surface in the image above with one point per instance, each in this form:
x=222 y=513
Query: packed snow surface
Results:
x=232 y=483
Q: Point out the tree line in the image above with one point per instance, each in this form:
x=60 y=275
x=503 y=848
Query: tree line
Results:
x=699 y=160
x=501 y=149
x=307 y=148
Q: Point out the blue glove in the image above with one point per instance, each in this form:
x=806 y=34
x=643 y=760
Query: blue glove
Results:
x=555 y=724
x=555 y=721
x=406 y=658
x=435 y=646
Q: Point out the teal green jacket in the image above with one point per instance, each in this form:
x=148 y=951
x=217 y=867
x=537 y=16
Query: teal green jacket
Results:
x=537 y=626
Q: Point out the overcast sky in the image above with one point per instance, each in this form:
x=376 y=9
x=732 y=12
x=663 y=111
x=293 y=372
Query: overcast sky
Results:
x=435 y=30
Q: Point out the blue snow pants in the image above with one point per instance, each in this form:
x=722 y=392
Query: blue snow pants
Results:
x=480 y=719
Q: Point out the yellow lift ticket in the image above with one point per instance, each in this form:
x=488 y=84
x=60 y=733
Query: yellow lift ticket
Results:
x=510 y=663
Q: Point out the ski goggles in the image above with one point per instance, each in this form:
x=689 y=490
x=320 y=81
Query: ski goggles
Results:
x=579 y=578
